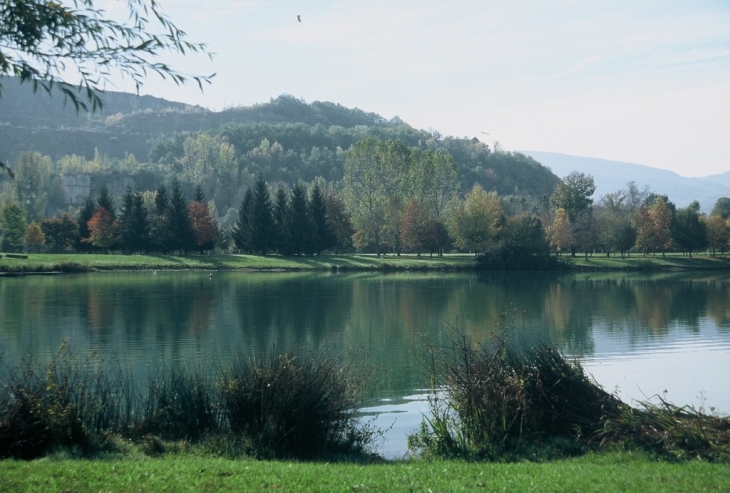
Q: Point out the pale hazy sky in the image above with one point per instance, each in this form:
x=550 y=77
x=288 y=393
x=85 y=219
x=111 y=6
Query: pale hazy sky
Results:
x=639 y=81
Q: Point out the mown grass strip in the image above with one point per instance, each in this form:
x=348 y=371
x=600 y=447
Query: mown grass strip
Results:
x=89 y=262
x=602 y=472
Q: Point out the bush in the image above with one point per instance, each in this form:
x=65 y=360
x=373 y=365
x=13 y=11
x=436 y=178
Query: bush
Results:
x=278 y=404
x=503 y=402
x=289 y=404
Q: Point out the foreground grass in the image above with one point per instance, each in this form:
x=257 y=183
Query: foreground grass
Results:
x=616 y=471
x=90 y=262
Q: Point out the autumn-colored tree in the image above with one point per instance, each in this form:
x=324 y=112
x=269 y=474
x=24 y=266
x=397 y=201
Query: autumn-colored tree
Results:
x=414 y=227
x=661 y=218
x=560 y=232
x=644 y=229
x=34 y=237
x=103 y=230
x=204 y=226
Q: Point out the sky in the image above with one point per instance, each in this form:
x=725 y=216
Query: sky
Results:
x=643 y=82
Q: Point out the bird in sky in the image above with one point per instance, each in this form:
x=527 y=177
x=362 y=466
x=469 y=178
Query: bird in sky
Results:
x=299 y=18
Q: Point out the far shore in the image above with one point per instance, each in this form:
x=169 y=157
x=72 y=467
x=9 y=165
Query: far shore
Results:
x=77 y=263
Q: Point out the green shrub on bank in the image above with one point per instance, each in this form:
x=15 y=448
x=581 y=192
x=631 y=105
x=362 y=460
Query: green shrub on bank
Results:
x=279 y=404
x=498 y=401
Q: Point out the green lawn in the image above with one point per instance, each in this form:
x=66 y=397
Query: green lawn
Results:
x=650 y=262
x=49 y=262
x=602 y=472
x=79 y=262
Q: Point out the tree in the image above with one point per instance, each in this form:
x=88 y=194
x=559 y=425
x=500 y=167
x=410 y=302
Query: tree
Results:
x=205 y=228
x=262 y=220
x=34 y=237
x=584 y=232
x=12 y=219
x=136 y=234
x=280 y=213
x=158 y=220
x=299 y=227
x=722 y=208
x=85 y=214
x=32 y=176
x=45 y=42
x=339 y=220
x=661 y=222
x=718 y=233
x=573 y=194
x=477 y=222
x=414 y=227
x=364 y=183
x=103 y=229
x=178 y=226
x=322 y=236
x=645 y=230
x=689 y=231
x=560 y=232
x=241 y=231
x=106 y=201
x=62 y=233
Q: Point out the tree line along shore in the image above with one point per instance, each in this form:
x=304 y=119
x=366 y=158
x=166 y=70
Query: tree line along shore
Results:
x=392 y=199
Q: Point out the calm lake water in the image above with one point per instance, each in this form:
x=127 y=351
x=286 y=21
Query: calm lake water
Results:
x=641 y=334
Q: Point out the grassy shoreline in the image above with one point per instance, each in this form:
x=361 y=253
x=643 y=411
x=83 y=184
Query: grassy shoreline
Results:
x=611 y=471
x=58 y=263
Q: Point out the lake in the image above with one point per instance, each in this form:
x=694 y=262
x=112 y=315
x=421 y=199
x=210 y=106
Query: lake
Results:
x=638 y=334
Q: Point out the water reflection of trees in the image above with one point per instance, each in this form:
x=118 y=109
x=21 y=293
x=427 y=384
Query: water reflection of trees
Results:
x=186 y=315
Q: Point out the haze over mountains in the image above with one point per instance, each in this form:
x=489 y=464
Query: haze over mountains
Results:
x=610 y=176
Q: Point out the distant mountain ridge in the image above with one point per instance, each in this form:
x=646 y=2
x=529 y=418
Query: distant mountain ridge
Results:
x=610 y=176
x=129 y=123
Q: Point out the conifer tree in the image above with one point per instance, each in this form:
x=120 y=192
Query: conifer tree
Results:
x=322 y=236
x=138 y=232
x=86 y=213
x=262 y=220
x=158 y=232
x=105 y=200
x=298 y=224
x=281 y=210
x=241 y=231
x=199 y=197
x=179 y=227
x=125 y=220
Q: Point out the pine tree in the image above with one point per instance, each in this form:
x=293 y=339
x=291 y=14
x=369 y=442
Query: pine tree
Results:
x=262 y=220
x=86 y=213
x=322 y=237
x=139 y=227
x=241 y=231
x=298 y=224
x=199 y=197
x=105 y=200
x=125 y=220
x=158 y=222
x=179 y=227
x=12 y=218
x=281 y=210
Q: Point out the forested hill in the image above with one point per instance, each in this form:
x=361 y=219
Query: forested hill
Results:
x=284 y=140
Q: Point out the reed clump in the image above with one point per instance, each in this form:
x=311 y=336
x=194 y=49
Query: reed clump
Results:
x=282 y=403
x=503 y=401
